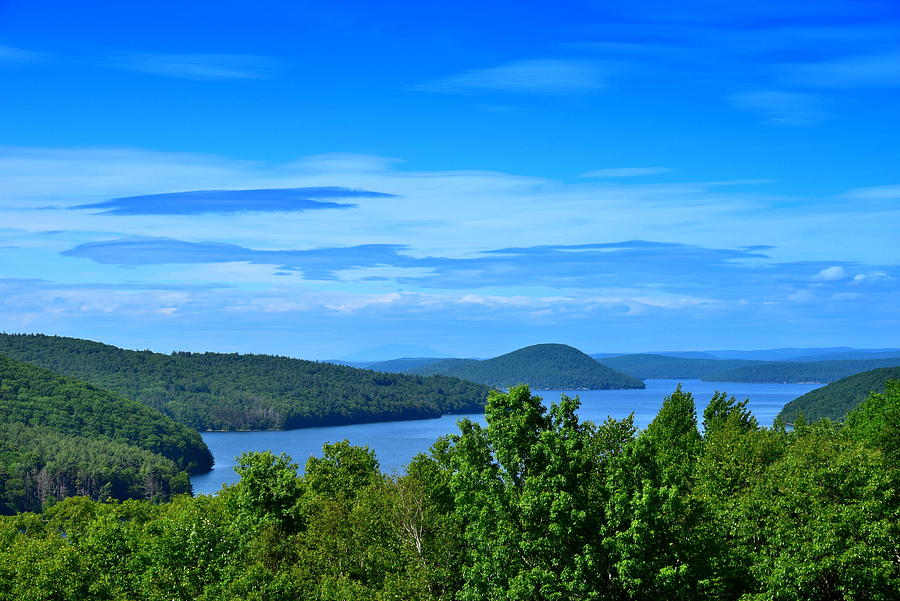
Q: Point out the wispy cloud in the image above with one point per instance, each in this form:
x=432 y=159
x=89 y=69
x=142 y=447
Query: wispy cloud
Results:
x=10 y=55
x=198 y=202
x=202 y=66
x=537 y=76
x=867 y=71
x=782 y=108
x=626 y=172
x=316 y=264
x=654 y=267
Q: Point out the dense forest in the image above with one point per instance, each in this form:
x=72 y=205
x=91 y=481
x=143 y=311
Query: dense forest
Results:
x=537 y=505
x=212 y=391
x=801 y=372
x=649 y=366
x=835 y=400
x=61 y=437
x=548 y=366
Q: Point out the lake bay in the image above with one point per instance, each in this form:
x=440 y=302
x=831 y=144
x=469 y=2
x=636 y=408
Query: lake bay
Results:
x=395 y=443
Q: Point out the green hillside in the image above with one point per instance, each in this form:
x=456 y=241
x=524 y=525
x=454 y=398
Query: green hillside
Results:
x=800 y=372
x=548 y=366
x=61 y=437
x=836 y=399
x=648 y=366
x=212 y=391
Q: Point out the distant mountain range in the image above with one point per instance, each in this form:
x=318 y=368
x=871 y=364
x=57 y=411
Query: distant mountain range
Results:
x=808 y=366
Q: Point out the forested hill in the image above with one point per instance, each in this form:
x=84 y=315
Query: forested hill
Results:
x=835 y=400
x=548 y=366
x=61 y=437
x=813 y=371
x=647 y=366
x=228 y=391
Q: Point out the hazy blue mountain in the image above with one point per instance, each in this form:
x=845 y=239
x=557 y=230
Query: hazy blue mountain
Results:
x=852 y=355
x=403 y=364
x=391 y=351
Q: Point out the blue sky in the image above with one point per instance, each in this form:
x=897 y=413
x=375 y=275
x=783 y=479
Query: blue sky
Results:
x=314 y=180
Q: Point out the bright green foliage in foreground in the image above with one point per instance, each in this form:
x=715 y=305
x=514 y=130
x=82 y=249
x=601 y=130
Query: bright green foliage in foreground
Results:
x=836 y=399
x=61 y=437
x=553 y=366
x=213 y=391
x=537 y=505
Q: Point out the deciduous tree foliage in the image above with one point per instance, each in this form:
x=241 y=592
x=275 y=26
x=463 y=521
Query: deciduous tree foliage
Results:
x=536 y=505
x=60 y=437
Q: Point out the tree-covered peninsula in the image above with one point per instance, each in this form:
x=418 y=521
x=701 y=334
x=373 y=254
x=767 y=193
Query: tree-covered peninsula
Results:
x=537 y=505
x=835 y=400
x=546 y=366
x=214 y=391
x=60 y=437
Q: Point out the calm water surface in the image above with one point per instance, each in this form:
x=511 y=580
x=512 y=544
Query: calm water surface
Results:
x=395 y=443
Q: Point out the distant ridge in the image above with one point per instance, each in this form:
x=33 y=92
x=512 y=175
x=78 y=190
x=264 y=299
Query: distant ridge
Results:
x=837 y=399
x=547 y=366
x=646 y=366
x=800 y=372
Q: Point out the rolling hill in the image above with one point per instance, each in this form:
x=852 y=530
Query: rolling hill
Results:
x=212 y=391
x=61 y=437
x=835 y=400
x=547 y=366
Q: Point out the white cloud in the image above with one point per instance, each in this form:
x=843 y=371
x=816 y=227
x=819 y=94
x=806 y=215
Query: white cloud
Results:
x=875 y=276
x=431 y=209
x=835 y=273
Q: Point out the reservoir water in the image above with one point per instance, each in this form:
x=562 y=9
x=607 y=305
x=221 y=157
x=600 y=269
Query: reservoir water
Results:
x=395 y=443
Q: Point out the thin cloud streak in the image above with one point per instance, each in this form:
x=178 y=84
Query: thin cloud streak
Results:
x=201 y=66
x=782 y=108
x=537 y=76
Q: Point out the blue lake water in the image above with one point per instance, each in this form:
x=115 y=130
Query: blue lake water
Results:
x=395 y=443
